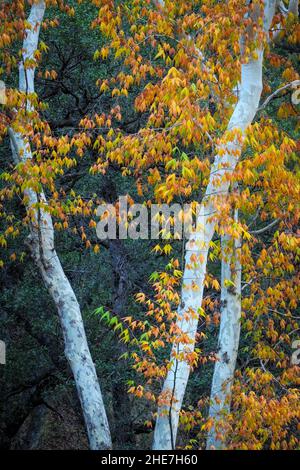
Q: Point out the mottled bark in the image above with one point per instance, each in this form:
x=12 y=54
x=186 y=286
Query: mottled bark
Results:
x=42 y=246
x=191 y=299
x=228 y=342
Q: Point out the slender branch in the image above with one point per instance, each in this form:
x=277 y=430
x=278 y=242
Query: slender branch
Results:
x=293 y=84
x=264 y=229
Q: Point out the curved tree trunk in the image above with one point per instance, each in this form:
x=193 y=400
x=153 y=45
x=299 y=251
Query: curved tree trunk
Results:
x=41 y=242
x=191 y=299
x=228 y=342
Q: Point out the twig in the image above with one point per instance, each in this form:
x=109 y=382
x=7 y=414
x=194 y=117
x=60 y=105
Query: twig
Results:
x=293 y=84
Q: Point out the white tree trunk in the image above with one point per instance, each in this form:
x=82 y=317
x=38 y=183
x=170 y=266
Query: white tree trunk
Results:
x=293 y=7
x=191 y=299
x=228 y=342
x=43 y=250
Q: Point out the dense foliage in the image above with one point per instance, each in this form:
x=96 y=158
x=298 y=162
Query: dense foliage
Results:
x=136 y=98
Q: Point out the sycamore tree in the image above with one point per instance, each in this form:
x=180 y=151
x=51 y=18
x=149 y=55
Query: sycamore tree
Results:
x=200 y=68
x=36 y=165
x=216 y=98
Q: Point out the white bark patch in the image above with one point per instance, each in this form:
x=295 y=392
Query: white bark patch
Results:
x=176 y=381
x=42 y=246
x=228 y=342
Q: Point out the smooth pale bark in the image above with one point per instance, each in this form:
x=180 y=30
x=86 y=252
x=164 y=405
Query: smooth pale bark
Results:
x=228 y=342
x=294 y=7
x=41 y=241
x=191 y=299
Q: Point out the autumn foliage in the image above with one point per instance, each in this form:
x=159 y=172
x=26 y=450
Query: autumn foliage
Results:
x=178 y=67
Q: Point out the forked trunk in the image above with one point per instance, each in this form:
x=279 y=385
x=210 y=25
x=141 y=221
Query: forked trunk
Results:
x=191 y=299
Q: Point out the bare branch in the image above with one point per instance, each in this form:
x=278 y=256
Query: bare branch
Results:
x=293 y=84
x=264 y=229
